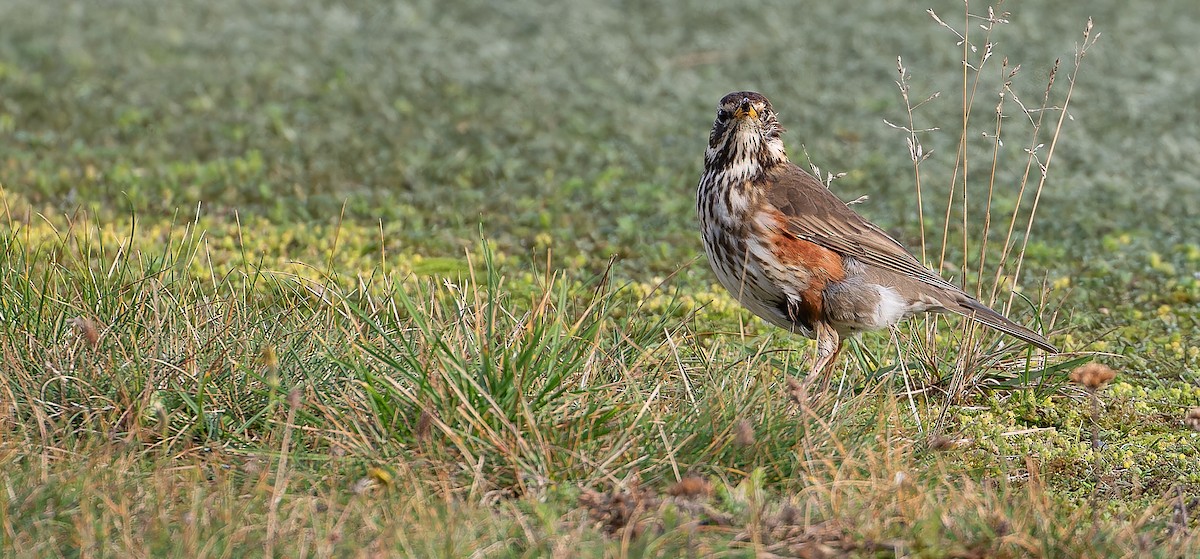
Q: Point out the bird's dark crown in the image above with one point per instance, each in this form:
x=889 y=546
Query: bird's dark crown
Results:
x=733 y=100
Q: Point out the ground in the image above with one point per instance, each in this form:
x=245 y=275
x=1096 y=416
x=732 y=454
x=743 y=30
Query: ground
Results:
x=424 y=279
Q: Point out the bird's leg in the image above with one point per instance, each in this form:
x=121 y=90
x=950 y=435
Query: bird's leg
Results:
x=829 y=346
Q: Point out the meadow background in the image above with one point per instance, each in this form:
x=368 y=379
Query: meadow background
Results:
x=420 y=279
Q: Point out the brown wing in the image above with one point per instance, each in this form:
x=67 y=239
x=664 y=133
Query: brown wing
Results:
x=815 y=214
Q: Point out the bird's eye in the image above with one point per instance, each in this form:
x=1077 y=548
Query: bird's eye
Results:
x=722 y=114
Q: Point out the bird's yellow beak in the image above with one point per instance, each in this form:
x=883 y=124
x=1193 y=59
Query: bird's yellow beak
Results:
x=745 y=111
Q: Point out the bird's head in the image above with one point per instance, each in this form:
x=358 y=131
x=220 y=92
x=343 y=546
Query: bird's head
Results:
x=746 y=134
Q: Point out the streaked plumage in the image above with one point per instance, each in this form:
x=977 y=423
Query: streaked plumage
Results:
x=796 y=255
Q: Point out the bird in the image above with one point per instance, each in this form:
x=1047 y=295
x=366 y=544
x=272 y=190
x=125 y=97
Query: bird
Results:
x=796 y=255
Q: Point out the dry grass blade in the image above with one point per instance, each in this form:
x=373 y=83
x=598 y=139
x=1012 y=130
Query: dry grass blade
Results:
x=975 y=351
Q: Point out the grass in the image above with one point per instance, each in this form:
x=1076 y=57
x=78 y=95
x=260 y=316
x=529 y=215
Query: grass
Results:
x=421 y=280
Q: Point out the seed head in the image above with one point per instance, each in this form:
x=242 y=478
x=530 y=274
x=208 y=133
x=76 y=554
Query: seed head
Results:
x=87 y=329
x=1093 y=376
x=743 y=433
x=268 y=359
x=798 y=391
x=689 y=487
x=1192 y=419
x=294 y=397
x=424 y=424
x=940 y=442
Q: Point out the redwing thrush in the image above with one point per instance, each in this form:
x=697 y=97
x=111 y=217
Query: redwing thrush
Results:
x=799 y=257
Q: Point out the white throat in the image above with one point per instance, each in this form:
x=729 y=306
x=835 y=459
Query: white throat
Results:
x=729 y=166
x=746 y=151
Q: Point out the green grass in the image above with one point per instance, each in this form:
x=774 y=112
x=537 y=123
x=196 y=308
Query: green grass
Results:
x=421 y=279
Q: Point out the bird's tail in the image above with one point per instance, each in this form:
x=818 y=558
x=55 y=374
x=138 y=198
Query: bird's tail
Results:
x=979 y=312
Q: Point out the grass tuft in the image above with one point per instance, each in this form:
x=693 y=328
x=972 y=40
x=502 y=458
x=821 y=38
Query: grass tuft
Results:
x=245 y=308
